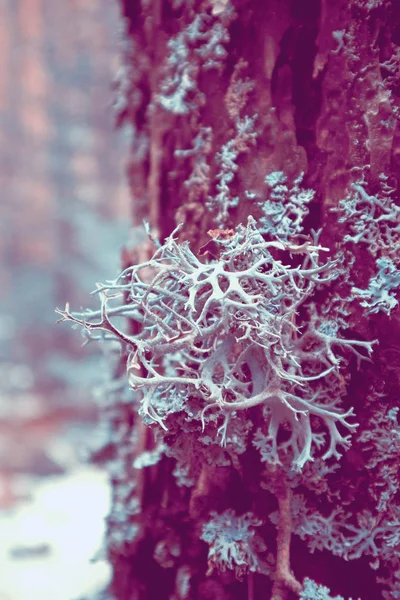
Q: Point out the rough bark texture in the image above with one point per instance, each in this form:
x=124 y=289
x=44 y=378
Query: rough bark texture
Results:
x=241 y=108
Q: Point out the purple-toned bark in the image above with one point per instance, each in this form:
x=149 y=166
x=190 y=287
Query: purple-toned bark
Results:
x=257 y=455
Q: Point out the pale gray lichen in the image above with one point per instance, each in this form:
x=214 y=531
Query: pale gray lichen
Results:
x=234 y=543
x=227 y=331
x=374 y=220
x=199 y=45
x=284 y=210
x=315 y=591
x=381 y=444
x=149 y=458
x=344 y=534
x=245 y=136
x=377 y=296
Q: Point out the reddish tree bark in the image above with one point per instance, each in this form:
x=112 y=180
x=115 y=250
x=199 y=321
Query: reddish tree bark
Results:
x=228 y=100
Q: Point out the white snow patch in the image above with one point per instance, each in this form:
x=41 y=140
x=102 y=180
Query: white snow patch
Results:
x=65 y=525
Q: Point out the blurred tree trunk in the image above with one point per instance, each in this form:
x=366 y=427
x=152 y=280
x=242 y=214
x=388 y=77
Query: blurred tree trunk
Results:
x=219 y=94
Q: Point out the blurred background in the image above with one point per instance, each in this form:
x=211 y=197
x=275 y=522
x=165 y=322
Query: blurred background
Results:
x=64 y=215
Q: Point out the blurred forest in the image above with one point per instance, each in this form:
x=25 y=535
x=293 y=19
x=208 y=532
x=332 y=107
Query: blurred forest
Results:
x=63 y=213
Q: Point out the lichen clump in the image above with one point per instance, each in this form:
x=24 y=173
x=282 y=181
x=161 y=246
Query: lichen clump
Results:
x=226 y=336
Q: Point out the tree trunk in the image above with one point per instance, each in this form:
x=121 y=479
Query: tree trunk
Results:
x=286 y=111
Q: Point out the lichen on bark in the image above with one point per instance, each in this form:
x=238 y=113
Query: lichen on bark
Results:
x=287 y=111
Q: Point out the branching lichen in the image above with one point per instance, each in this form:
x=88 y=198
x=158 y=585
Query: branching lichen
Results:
x=226 y=333
x=286 y=206
x=378 y=297
x=313 y=591
x=374 y=219
x=200 y=45
x=234 y=542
